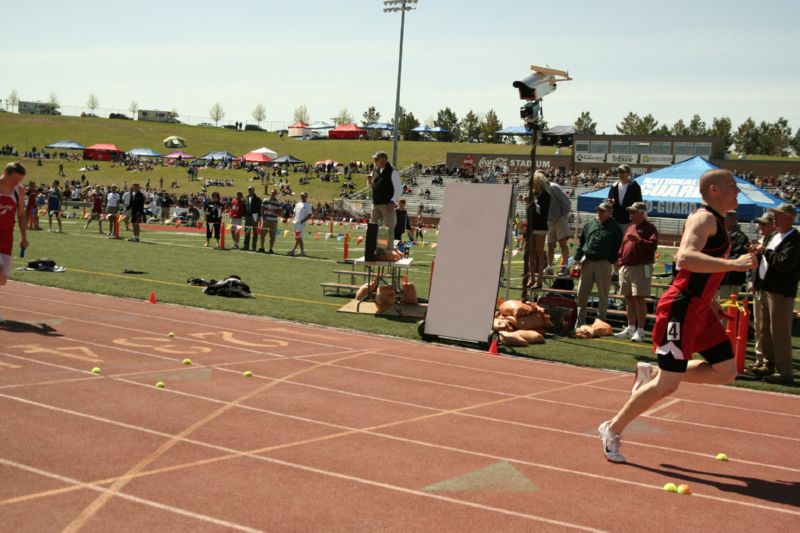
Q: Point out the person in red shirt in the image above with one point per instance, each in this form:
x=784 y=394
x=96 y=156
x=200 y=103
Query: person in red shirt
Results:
x=97 y=209
x=12 y=209
x=237 y=207
x=33 y=209
x=636 y=258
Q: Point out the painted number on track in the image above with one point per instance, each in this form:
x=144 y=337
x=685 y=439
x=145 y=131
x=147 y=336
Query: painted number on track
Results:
x=81 y=353
x=230 y=338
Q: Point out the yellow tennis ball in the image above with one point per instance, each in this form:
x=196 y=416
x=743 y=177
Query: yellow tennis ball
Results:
x=161 y=385
x=96 y=371
x=722 y=457
x=187 y=361
x=171 y=334
x=248 y=374
x=670 y=487
x=684 y=489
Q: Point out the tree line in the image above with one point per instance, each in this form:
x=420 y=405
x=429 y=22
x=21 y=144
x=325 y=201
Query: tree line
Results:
x=765 y=138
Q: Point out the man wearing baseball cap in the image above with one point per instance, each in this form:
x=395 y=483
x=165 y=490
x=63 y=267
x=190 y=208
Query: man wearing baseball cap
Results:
x=636 y=259
x=597 y=252
x=386 y=190
x=779 y=270
x=622 y=195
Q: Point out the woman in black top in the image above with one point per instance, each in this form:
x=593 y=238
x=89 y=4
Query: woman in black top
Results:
x=403 y=223
x=213 y=211
x=537 y=211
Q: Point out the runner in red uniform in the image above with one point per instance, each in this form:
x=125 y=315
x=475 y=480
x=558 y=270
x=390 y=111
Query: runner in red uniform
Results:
x=12 y=200
x=687 y=318
x=236 y=212
x=97 y=209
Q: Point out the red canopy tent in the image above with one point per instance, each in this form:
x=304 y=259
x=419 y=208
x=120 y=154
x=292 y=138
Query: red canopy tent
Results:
x=347 y=131
x=256 y=157
x=299 y=129
x=102 y=152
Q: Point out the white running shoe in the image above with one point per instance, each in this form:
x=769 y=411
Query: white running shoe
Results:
x=611 y=443
x=626 y=333
x=638 y=336
x=644 y=373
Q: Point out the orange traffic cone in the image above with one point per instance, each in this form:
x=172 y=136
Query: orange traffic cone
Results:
x=493 y=347
x=152 y=298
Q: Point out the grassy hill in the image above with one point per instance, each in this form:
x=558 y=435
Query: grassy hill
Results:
x=26 y=131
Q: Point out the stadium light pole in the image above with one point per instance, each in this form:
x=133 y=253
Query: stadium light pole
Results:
x=392 y=6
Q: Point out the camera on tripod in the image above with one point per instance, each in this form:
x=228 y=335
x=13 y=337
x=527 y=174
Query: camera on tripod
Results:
x=535 y=86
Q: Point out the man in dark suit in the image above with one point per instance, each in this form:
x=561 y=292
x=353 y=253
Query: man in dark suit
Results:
x=252 y=211
x=137 y=210
x=623 y=194
x=779 y=271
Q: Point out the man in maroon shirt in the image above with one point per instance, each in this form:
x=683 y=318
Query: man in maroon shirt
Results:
x=636 y=259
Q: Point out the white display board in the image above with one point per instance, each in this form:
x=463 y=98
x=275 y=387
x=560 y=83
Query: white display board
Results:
x=469 y=255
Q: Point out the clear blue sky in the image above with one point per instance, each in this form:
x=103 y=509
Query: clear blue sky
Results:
x=671 y=59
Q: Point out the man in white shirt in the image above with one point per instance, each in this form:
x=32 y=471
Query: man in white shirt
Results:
x=126 y=205
x=112 y=208
x=778 y=272
x=302 y=212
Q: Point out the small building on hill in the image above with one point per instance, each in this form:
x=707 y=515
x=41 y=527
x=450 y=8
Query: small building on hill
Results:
x=37 y=108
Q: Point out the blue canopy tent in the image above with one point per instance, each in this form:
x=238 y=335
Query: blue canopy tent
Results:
x=66 y=145
x=143 y=152
x=513 y=130
x=674 y=192
x=218 y=156
x=378 y=126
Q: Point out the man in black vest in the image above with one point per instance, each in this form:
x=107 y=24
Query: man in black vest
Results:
x=137 y=211
x=252 y=210
x=779 y=271
x=386 y=189
x=622 y=195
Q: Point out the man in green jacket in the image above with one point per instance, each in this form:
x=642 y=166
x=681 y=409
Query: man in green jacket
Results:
x=595 y=257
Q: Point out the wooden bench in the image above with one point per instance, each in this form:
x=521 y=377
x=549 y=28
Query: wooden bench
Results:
x=353 y=274
x=348 y=289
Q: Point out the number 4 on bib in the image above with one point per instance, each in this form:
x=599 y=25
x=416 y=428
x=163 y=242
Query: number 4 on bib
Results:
x=674 y=331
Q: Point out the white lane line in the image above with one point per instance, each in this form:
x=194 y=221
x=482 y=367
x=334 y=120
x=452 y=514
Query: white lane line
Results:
x=664 y=405
x=170 y=319
x=363 y=481
x=410 y=441
x=142 y=333
x=124 y=496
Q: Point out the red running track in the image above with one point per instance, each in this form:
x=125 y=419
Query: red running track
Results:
x=342 y=431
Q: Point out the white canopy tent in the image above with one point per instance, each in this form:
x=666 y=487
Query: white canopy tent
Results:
x=272 y=154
